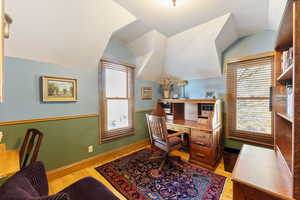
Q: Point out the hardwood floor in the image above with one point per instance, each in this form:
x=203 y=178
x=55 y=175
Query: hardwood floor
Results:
x=58 y=184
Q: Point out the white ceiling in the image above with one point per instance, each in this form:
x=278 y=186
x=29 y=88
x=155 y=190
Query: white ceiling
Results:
x=204 y=26
x=189 y=56
x=68 y=32
x=250 y=16
x=76 y=32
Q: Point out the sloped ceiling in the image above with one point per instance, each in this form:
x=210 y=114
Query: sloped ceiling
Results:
x=276 y=9
x=68 y=32
x=150 y=52
x=197 y=32
x=250 y=16
x=194 y=53
x=76 y=32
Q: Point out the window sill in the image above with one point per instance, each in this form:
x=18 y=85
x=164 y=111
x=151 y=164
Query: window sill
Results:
x=251 y=141
x=116 y=135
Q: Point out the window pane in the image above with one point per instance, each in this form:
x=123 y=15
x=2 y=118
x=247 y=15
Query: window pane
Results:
x=254 y=81
x=115 y=83
x=117 y=114
x=254 y=116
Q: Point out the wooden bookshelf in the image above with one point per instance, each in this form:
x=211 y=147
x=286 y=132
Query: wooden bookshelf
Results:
x=287 y=128
x=287 y=75
x=277 y=171
x=284 y=116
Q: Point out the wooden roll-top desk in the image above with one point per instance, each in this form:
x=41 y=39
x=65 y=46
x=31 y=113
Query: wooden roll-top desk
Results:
x=201 y=119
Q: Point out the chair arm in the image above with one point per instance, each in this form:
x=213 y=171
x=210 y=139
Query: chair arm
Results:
x=89 y=188
x=176 y=134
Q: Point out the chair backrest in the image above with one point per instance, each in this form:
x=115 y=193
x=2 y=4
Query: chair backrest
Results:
x=28 y=145
x=29 y=183
x=157 y=128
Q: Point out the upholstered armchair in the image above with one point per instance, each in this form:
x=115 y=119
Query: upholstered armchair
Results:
x=31 y=184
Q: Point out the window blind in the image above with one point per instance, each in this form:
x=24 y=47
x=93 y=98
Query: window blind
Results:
x=117 y=100
x=249 y=99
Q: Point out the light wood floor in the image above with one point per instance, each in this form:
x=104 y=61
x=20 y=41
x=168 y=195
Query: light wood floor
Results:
x=60 y=183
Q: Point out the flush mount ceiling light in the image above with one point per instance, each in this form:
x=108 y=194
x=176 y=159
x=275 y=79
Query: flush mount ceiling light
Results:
x=174 y=2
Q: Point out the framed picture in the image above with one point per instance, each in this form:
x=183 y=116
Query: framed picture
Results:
x=57 y=89
x=146 y=93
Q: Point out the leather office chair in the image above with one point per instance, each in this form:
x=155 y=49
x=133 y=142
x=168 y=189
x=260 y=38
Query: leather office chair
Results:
x=160 y=138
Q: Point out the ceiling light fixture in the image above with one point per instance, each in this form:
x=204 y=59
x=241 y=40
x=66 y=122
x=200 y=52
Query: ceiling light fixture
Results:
x=174 y=2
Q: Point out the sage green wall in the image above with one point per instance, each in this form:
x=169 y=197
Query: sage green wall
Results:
x=66 y=141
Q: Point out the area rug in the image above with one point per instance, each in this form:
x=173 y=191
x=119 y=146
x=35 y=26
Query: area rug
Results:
x=130 y=175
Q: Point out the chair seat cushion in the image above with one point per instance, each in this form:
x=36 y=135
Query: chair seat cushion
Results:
x=174 y=140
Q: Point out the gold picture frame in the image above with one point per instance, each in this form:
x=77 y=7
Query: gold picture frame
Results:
x=146 y=93
x=57 y=89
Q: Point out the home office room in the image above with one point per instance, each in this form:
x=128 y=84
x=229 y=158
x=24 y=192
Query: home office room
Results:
x=149 y=100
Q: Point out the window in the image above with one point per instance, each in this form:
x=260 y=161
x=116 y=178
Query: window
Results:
x=249 y=86
x=116 y=99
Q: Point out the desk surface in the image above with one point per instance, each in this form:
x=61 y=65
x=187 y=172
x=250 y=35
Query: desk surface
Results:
x=9 y=162
x=189 y=124
x=258 y=168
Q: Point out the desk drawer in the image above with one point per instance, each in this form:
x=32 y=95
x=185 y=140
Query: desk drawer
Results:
x=178 y=128
x=201 y=138
x=201 y=154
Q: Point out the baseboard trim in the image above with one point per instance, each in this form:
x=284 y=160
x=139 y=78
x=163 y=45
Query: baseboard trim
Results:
x=68 y=169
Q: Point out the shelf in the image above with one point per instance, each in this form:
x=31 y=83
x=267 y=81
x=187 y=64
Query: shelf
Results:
x=287 y=75
x=284 y=116
x=207 y=101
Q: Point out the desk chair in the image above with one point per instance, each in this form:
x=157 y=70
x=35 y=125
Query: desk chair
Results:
x=30 y=144
x=160 y=138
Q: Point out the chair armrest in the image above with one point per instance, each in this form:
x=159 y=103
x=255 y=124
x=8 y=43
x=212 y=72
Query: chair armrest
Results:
x=176 y=134
x=90 y=189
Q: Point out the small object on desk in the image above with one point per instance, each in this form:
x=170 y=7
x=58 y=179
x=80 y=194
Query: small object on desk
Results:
x=170 y=117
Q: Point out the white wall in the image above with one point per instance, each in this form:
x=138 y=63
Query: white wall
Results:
x=150 y=52
x=195 y=53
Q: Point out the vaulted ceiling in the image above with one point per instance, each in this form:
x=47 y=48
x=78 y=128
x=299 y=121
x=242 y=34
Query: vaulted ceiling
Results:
x=196 y=32
x=249 y=16
x=68 y=32
x=76 y=32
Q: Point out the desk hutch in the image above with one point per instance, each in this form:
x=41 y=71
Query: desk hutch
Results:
x=201 y=119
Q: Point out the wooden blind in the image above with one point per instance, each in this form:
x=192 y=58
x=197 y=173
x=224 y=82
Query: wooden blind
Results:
x=249 y=86
x=116 y=100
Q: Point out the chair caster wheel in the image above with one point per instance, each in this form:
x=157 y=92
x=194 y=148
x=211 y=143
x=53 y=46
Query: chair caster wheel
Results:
x=155 y=173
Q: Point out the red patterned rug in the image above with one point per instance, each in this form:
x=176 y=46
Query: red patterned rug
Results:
x=180 y=180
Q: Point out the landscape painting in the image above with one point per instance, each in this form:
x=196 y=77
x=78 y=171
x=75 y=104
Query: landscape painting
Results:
x=59 y=89
x=146 y=93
